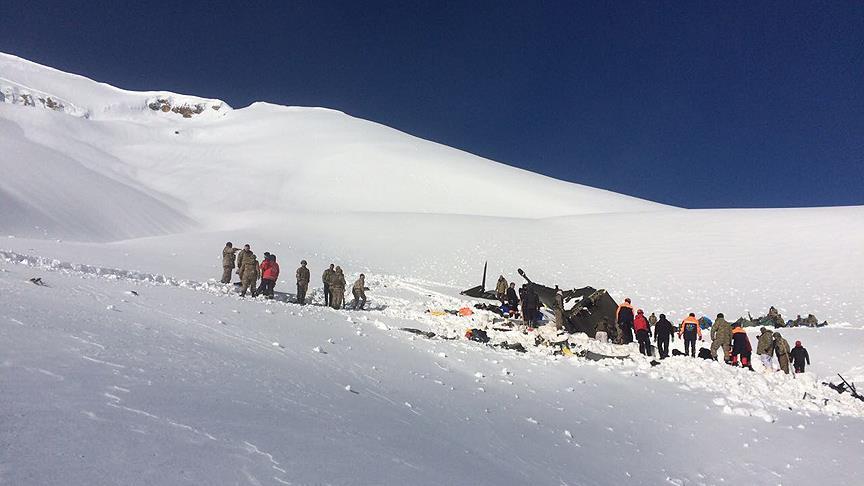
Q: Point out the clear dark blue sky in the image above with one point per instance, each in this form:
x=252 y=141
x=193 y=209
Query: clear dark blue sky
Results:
x=714 y=104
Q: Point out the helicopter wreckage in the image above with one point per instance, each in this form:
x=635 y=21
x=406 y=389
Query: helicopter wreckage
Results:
x=587 y=306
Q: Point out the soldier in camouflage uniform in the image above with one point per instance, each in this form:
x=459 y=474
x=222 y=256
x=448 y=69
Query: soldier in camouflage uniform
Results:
x=303 y=278
x=765 y=348
x=359 y=292
x=228 y=259
x=721 y=336
x=249 y=274
x=337 y=288
x=326 y=278
x=245 y=253
x=501 y=289
x=559 y=310
x=781 y=347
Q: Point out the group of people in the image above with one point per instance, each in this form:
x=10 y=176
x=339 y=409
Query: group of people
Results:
x=512 y=301
x=731 y=338
x=250 y=271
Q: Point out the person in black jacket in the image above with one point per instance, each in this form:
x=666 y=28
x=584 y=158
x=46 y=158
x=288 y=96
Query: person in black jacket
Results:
x=741 y=347
x=799 y=356
x=530 y=306
x=512 y=298
x=624 y=318
x=663 y=332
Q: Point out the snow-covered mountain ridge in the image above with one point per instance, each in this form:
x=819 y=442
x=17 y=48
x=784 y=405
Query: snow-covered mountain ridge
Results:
x=26 y=83
x=247 y=166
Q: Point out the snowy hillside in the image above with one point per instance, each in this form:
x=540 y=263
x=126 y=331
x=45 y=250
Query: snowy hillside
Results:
x=223 y=166
x=133 y=365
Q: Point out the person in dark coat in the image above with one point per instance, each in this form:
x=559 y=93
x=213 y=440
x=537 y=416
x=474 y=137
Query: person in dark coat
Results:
x=741 y=348
x=512 y=297
x=624 y=318
x=799 y=356
x=530 y=306
x=326 y=278
x=663 y=332
x=690 y=331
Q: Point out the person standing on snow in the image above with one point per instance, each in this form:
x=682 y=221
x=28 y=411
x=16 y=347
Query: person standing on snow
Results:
x=269 y=275
x=781 y=347
x=624 y=319
x=721 y=337
x=249 y=274
x=244 y=254
x=690 y=331
x=530 y=306
x=741 y=347
x=337 y=288
x=501 y=289
x=229 y=257
x=652 y=320
x=359 y=292
x=512 y=298
x=326 y=278
x=559 y=310
x=799 y=355
x=643 y=332
x=765 y=348
x=663 y=332
x=302 y=275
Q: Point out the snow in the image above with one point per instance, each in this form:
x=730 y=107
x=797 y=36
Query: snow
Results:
x=134 y=366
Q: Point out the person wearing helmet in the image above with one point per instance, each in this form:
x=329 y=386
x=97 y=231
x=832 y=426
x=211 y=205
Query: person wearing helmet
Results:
x=303 y=278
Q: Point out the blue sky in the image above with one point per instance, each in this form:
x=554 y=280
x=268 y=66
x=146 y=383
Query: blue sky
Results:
x=696 y=104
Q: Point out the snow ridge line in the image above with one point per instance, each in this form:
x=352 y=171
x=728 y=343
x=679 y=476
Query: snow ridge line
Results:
x=55 y=265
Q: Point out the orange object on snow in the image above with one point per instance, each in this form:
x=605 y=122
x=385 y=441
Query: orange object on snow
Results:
x=466 y=311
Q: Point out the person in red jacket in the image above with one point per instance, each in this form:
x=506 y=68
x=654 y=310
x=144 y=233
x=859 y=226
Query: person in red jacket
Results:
x=690 y=330
x=643 y=332
x=269 y=274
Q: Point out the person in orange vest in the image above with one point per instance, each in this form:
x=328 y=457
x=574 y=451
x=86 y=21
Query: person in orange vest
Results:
x=690 y=331
x=643 y=332
x=624 y=319
x=741 y=347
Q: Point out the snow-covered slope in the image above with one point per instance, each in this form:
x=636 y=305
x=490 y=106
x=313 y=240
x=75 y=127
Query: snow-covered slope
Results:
x=181 y=381
x=226 y=167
